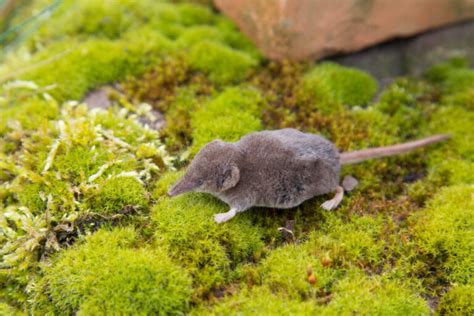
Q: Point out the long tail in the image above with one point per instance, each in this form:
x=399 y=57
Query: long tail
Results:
x=362 y=155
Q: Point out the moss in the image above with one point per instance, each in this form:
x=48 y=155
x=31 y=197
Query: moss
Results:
x=442 y=233
x=258 y=301
x=237 y=110
x=359 y=294
x=464 y=99
x=178 y=131
x=118 y=193
x=459 y=300
x=223 y=65
x=28 y=115
x=452 y=76
x=158 y=84
x=296 y=273
x=348 y=86
x=186 y=227
x=6 y=309
x=83 y=167
x=107 y=275
x=408 y=103
x=353 y=243
x=74 y=67
x=193 y=35
x=458 y=123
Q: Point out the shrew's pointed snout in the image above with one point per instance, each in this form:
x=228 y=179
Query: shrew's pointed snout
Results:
x=182 y=186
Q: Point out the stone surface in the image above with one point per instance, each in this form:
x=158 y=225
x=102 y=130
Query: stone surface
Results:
x=414 y=55
x=300 y=29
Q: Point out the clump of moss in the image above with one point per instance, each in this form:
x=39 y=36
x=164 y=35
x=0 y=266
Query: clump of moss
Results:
x=118 y=193
x=258 y=301
x=295 y=272
x=356 y=242
x=74 y=68
x=374 y=295
x=452 y=76
x=408 y=103
x=185 y=226
x=159 y=83
x=345 y=85
x=106 y=274
x=442 y=230
x=177 y=132
x=229 y=116
x=222 y=64
x=61 y=174
x=459 y=300
x=22 y=106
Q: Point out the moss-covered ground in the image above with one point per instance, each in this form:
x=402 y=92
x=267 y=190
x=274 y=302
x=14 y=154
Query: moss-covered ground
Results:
x=86 y=226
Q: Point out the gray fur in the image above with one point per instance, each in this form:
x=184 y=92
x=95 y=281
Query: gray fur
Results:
x=279 y=169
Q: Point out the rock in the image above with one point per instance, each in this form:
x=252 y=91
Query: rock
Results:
x=99 y=99
x=414 y=55
x=349 y=183
x=301 y=29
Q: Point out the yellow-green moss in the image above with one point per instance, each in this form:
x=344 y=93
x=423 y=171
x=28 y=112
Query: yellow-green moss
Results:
x=408 y=103
x=348 y=86
x=229 y=116
x=118 y=193
x=258 y=301
x=106 y=275
x=452 y=76
x=459 y=300
x=457 y=122
x=224 y=65
x=74 y=67
x=27 y=115
x=287 y=270
x=444 y=232
x=186 y=227
x=374 y=295
x=353 y=243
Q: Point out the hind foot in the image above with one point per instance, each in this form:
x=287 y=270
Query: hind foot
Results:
x=335 y=201
x=224 y=217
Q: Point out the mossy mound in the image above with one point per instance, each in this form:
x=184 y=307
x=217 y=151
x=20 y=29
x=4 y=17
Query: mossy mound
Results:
x=229 y=116
x=358 y=294
x=210 y=252
x=348 y=86
x=459 y=300
x=444 y=232
x=106 y=274
x=72 y=176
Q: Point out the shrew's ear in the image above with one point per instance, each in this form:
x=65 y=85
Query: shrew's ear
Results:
x=229 y=177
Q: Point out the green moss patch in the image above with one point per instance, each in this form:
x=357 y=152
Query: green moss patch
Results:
x=348 y=86
x=373 y=295
x=223 y=64
x=185 y=227
x=106 y=275
x=444 y=232
x=228 y=116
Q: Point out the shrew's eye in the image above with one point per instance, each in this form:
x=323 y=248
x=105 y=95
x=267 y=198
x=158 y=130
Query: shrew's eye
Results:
x=200 y=181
